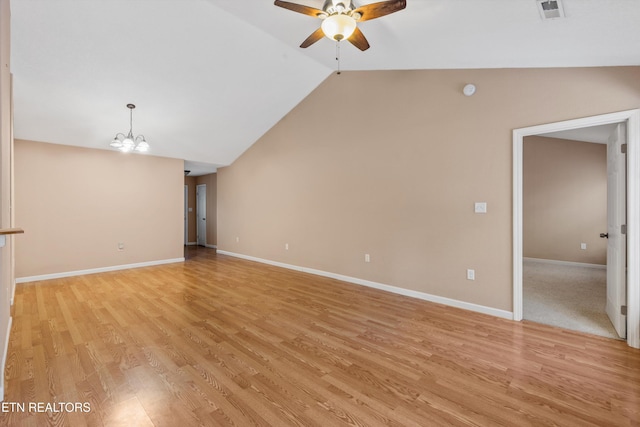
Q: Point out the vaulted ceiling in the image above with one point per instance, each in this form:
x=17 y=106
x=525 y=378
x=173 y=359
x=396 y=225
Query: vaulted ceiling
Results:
x=210 y=77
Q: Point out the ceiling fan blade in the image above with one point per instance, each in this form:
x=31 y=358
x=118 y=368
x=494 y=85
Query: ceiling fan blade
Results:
x=376 y=10
x=305 y=10
x=314 y=37
x=358 y=40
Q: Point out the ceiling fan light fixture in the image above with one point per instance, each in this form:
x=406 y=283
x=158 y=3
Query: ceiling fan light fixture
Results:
x=339 y=26
x=340 y=18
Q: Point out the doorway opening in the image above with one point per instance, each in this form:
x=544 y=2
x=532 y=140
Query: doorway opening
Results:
x=631 y=120
x=564 y=211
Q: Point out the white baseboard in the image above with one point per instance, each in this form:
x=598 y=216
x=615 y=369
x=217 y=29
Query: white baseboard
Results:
x=4 y=359
x=96 y=270
x=191 y=243
x=567 y=263
x=211 y=246
x=393 y=289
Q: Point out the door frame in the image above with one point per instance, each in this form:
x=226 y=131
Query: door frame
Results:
x=632 y=120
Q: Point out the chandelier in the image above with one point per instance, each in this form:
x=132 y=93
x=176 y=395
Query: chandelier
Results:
x=126 y=143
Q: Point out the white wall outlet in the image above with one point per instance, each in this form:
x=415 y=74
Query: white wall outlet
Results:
x=237 y=240
x=480 y=207
x=471 y=274
x=120 y=246
x=583 y=246
x=190 y=209
x=367 y=258
x=286 y=246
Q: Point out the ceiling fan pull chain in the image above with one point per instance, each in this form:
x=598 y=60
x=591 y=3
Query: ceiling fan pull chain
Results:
x=338 y=55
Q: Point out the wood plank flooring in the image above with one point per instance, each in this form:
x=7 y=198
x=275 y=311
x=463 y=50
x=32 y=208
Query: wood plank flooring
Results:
x=223 y=341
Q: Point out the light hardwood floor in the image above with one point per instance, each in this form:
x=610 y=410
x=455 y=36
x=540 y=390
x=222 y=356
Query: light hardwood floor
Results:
x=223 y=341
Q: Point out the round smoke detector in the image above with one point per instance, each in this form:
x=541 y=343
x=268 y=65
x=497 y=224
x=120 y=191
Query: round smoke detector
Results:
x=469 y=89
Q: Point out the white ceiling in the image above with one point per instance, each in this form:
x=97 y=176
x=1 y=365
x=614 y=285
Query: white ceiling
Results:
x=210 y=77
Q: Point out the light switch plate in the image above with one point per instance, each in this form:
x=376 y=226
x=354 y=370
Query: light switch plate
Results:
x=480 y=207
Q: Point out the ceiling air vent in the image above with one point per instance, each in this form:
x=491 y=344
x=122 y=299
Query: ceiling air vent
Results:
x=550 y=9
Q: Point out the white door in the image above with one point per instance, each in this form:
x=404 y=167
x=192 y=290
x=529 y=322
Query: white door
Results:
x=201 y=213
x=186 y=214
x=616 y=219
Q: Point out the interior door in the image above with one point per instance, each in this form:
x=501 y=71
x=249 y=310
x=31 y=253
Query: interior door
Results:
x=616 y=219
x=186 y=214
x=201 y=213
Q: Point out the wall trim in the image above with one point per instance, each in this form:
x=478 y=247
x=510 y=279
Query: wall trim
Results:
x=210 y=246
x=567 y=263
x=4 y=358
x=381 y=286
x=191 y=243
x=96 y=270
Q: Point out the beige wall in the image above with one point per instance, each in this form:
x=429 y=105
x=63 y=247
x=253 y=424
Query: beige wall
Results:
x=211 y=182
x=190 y=181
x=564 y=200
x=77 y=204
x=390 y=163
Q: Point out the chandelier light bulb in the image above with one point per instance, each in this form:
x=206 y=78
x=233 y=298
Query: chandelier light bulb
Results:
x=142 y=146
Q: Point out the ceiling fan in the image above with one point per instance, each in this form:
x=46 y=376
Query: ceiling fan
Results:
x=340 y=18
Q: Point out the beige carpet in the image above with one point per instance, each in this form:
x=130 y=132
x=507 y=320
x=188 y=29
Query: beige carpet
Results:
x=571 y=297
